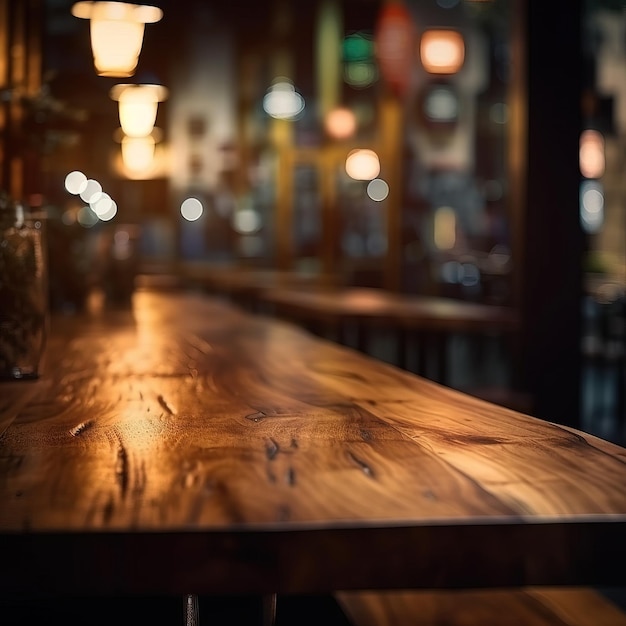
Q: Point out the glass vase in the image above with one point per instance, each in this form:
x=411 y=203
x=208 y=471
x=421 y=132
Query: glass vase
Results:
x=24 y=301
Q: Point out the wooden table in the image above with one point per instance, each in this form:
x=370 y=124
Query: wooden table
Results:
x=244 y=285
x=430 y=321
x=188 y=447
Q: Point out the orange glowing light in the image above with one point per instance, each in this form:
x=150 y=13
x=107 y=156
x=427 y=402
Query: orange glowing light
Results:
x=138 y=107
x=117 y=30
x=591 y=154
x=442 y=51
x=341 y=123
x=362 y=164
x=395 y=36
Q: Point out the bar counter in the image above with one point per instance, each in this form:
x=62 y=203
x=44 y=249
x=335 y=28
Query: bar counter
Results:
x=185 y=446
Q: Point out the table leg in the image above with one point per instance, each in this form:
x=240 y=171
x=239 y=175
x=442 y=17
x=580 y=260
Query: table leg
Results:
x=269 y=609
x=190 y=610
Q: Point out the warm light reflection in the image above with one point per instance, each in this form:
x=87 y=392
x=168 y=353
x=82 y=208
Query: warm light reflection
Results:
x=75 y=182
x=442 y=51
x=191 y=209
x=340 y=123
x=138 y=106
x=138 y=152
x=122 y=245
x=395 y=44
x=445 y=228
x=117 y=30
x=69 y=217
x=591 y=154
x=282 y=101
x=362 y=164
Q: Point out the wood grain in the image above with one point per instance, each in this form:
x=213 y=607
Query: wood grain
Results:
x=520 y=607
x=186 y=446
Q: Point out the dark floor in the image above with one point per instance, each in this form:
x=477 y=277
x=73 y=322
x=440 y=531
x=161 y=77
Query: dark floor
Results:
x=314 y=610
x=291 y=610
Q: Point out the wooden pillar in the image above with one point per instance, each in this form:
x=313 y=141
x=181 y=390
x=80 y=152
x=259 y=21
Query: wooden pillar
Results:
x=20 y=80
x=391 y=154
x=4 y=85
x=549 y=239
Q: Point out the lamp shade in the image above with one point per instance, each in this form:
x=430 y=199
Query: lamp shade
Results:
x=138 y=107
x=442 y=51
x=116 y=30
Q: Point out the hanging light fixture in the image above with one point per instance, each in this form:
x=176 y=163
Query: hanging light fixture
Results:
x=117 y=30
x=138 y=107
x=138 y=153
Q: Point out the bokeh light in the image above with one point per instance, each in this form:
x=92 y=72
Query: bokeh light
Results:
x=445 y=228
x=246 y=221
x=378 y=189
x=122 y=245
x=101 y=204
x=591 y=206
x=86 y=217
x=110 y=213
x=441 y=104
x=341 y=123
x=117 y=30
x=362 y=164
x=91 y=190
x=360 y=74
x=591 y=154
x=138 y=106
x=282 y=101
x=138 y=152
x=359 y=66
x=499 y=113
x=191 y=209
x=75 y=182
x=442 y=51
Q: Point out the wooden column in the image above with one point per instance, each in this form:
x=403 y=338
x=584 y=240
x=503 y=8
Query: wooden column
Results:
x=549 y=240
x=391 y=154
x=20 y=80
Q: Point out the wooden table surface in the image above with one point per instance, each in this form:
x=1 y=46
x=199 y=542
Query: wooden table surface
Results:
x=244 y=285
x=401 y=310
x=420 y=324
x=188 y=447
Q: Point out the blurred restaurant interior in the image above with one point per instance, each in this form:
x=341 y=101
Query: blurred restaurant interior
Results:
x=466 y=149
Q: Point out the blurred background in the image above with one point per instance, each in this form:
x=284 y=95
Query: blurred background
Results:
x=492 y=139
